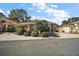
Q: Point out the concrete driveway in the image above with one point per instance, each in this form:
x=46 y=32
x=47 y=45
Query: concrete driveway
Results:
x=67 y=35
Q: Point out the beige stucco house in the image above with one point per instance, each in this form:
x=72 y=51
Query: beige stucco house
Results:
x=65 y=29
x=28 y=25
x=70 y=28
x=5 y=23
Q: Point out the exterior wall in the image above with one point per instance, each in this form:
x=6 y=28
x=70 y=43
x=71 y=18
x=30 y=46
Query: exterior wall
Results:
x=61 y=30
x=5 y=24
x=67 y=29
x=76 y=29
x=27 y=26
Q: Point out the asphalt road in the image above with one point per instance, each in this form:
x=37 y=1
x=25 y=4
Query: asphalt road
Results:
x=48 y=47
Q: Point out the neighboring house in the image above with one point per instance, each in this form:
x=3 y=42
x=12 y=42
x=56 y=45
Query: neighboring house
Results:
x=5 y=23
x=70 y=28
x=29 y=25
x=76 y=29
x=61 y=29
x=65 y=29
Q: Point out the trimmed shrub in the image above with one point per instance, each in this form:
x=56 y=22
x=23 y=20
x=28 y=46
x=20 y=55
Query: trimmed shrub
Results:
x=10 y=29
x=0 y=31
x=25 y=34
x=20 y=26
x=34 y=33
x=20 y=31
x=28 y=33
x=44 y=34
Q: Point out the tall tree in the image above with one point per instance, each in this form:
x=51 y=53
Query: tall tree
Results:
x=73 y=19
x=41 y=25
x=65 y=22
x=19 y=14
x=2 y=15
x=70 y=20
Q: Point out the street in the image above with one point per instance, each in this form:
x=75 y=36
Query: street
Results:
x=49 y=47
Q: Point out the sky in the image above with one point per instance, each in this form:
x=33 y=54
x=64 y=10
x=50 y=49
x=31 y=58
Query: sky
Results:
x=54 y=12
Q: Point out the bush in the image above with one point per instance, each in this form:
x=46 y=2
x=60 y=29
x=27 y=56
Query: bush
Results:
x=41 y=25
x=10 y=29
x=25 y=33
x=20 y=31
x=20 y=26
x=34 y=33
x=44 y=34
x=28 y=33
x=0 y=31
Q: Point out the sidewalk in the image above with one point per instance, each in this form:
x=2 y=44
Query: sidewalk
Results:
x=14 y=37
x=67 y=35
x=11 y=37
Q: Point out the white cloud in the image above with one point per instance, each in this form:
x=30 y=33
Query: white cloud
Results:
x=55 y=6
x=58 y=15
x=61 y=13
x=57 y=12
x=38 y=11
x=35 y=17
x=40 y=6
x=8 y=12
x=30 y=8
x=39 y=17
x=1 y=11
x=55 y=20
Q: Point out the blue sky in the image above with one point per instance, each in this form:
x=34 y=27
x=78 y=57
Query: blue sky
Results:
x=54 y=12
